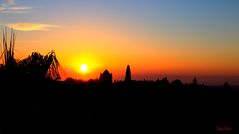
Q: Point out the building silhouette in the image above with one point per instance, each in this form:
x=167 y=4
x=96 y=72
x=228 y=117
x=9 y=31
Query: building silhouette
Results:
x=106 y=78
x=227 y=87
x=128 y=74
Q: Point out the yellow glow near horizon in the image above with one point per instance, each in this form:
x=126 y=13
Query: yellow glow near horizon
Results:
x=83 y=68
x=101 y=47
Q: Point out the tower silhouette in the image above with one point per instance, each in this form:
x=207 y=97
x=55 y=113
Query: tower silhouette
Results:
x=128 y=74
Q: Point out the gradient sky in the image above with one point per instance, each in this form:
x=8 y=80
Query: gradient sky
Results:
x=181 y=39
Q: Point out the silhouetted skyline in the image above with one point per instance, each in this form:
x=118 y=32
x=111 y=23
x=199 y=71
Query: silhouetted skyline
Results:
x=36 y=79
x=160 y=66
x=157 y=38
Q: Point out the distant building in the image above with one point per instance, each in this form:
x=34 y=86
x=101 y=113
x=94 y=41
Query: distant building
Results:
x=106 y=78
x=227 y=87
x=128 y=74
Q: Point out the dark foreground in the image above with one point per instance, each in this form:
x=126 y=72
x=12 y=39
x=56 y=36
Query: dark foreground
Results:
x=125 y=109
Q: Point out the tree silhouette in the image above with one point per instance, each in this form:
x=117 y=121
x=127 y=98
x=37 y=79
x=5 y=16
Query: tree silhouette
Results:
x=39 y=66
x=35 y=66
x=165 y=81
x=8 y=51
x=195 y=82
x=177 y=84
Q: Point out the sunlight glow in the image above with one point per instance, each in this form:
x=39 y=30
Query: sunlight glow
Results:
x=83 y=68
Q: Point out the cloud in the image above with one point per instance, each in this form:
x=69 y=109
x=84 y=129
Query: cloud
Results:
x=30 y=26
x=10 y=6
x=10 y=2
x=14 y=9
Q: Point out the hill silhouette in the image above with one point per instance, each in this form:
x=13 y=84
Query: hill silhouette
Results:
x=33 y=99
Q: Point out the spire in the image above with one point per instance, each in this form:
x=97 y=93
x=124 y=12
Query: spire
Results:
x=128 y=74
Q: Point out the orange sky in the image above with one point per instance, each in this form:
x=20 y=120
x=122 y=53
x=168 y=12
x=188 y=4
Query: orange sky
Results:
x=155 y=38
x=108 y=47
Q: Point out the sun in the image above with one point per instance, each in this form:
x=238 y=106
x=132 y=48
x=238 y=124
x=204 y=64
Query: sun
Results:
x=83 y=68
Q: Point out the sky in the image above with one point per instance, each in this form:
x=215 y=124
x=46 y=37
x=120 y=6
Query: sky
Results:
x=157 y=38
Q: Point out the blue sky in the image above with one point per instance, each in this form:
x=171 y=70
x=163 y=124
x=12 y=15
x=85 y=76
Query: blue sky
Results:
x=150 y=13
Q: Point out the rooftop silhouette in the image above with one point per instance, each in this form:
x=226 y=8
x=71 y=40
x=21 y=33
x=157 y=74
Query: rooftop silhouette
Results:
x=106 y=78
